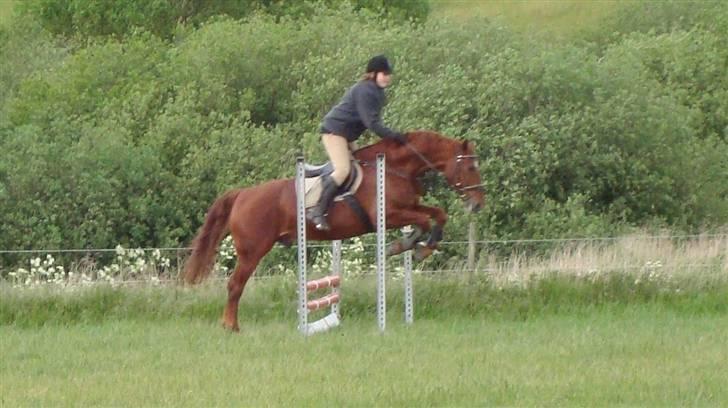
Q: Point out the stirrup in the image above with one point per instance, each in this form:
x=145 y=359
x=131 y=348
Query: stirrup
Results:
x=317 y=217
x=317 y=214
x=322 y=225
x=318 y=221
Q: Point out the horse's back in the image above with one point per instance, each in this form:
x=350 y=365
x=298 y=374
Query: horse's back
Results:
x=264 y=208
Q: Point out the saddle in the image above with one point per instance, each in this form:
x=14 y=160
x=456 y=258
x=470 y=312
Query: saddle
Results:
x=313 y=181
x=345 y=192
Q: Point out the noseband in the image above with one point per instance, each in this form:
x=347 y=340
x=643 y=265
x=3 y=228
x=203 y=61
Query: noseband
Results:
x=458 y=161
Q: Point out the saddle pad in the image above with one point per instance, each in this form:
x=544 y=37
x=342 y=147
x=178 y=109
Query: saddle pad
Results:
x=313 y=187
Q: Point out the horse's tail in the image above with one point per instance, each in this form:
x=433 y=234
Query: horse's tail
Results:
x=204 y=246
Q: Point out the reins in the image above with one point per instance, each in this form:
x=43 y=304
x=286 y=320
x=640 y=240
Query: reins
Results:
x=423 y=158
x=459 y=158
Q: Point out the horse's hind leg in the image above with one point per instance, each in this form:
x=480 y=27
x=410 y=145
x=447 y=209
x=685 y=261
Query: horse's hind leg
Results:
x=236 y=284
x=247 y=262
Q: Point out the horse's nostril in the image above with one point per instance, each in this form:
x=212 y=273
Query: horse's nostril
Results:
x=477 y=207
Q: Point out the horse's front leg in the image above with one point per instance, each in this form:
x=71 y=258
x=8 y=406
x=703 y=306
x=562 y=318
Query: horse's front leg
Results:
x=407 y=242
x=404 y=217
x=425 y=249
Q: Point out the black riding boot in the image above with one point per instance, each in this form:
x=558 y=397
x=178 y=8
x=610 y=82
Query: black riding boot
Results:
x=317 y=213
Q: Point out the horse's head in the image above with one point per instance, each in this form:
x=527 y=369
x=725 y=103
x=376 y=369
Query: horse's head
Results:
x=427 y=150
x=462 y=173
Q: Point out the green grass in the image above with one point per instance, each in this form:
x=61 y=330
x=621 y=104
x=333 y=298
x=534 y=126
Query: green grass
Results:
x=555 y=341
x=559 y=17
x=275 y=298
x=6 y=10
x=634 y=356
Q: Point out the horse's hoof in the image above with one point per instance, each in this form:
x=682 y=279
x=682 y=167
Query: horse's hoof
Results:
x=422 y=252
x=395 y=249
x=233 y=328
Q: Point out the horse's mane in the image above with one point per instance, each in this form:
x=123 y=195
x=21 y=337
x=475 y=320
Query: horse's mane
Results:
x=420 y=139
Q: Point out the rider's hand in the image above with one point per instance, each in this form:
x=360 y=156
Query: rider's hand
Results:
x=400 y=138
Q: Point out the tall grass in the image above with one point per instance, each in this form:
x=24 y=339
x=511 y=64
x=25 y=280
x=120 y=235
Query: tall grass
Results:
x=665 y=256
x=435 y=298
x=699 y=259
x=689 y=275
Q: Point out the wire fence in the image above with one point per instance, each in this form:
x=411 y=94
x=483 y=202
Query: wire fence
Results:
x=443 y=243
x=509 y=260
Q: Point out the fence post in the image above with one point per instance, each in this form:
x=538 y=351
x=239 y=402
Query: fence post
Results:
x=301 y=235
x=471 y=248
x=336 y=271
x=409 y=314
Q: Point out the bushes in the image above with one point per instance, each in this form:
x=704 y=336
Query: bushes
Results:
x=128 y=140
x=660 y=18
x=25 y=47
x=163 y=17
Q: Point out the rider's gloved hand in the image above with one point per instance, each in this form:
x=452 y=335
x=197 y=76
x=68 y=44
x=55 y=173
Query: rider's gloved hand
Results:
x=400 y=138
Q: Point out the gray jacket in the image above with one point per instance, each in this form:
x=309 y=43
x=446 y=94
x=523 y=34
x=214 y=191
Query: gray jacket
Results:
x=358 y=110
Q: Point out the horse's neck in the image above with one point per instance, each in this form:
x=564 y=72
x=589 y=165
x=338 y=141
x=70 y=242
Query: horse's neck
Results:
x=424 y=157
x=413 y=159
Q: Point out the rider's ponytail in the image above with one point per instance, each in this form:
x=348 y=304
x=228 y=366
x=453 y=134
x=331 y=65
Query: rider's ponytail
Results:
x=369 y=76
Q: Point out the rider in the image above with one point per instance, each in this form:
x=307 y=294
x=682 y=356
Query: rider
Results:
x=357 y=111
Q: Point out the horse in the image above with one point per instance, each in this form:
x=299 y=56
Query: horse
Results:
x=258 y=217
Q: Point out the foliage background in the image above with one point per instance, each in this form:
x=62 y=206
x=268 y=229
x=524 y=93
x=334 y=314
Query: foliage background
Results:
x=121 y=122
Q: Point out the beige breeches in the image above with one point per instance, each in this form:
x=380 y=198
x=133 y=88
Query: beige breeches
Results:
x=339 y=151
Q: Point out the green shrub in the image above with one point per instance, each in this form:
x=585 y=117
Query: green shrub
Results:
x=659 y=18
x=25 y=48
x=162 y=17
x=129 y=140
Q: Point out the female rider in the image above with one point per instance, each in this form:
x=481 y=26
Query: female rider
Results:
x=357 y=111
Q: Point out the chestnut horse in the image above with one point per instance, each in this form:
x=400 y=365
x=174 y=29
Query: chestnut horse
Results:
x=258 y=217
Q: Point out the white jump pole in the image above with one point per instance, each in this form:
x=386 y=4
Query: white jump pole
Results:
x=301 y=233
x=304 y=286
x=409 y=314
x=381 y=244
x=336 y=271
x=334 y=280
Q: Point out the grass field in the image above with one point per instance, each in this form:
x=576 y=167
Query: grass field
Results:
x=651 y=337
x=637 y=356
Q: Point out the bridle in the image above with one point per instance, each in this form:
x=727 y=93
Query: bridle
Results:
x=458 y=184
x=458 y=187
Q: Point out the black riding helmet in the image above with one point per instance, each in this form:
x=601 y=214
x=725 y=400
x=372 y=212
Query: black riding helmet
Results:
x=379 y=63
